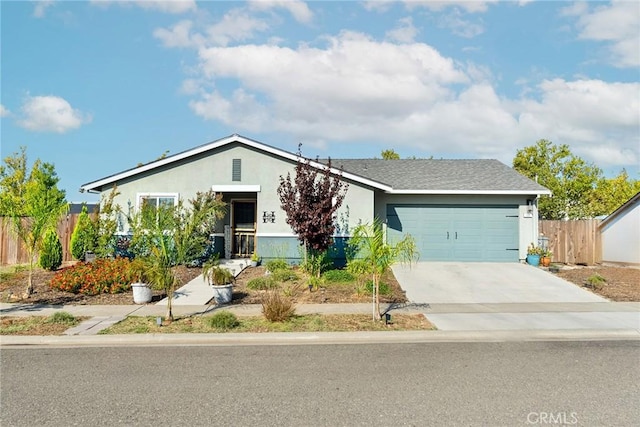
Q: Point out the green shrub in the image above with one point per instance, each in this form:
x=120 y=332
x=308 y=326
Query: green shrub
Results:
x=338 y=276
x=276 y=307
x=223 y=320
x=384 y=288
x=62 y=317
x=106 y=275
x=316 y=262
x=291 y=289
x=84 y=236
x=262 y=283
x=595 y=281
x=358 y=267
x=51 y=252
x=277 y=264
x=284 y=275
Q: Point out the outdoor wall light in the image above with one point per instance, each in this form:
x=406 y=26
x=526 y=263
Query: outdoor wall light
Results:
x=529 y=213
x=268 y=217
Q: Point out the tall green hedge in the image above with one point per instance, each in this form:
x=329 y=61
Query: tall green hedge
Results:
x=51 y=251
x=84 y=236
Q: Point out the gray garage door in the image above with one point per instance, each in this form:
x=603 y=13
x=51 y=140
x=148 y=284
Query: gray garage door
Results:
x=457 y=233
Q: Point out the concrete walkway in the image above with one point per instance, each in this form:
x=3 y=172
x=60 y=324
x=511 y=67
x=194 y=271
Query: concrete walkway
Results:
x=198 y=291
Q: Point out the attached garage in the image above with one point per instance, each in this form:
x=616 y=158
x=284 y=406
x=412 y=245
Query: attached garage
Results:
x=458 y=232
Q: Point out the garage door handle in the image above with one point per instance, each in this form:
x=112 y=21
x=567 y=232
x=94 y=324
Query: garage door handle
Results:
x=456 y=235
x=447 y=235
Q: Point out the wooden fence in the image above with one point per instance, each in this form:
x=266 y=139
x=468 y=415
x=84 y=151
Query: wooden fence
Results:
x=12 y=250
x=573 y=242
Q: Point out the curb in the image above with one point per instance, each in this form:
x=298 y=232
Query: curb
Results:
x=316 y=338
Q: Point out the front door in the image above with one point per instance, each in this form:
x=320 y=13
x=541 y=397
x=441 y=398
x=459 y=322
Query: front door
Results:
x=244 y=227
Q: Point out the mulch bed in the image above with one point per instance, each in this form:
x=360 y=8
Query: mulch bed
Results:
x=622 y=284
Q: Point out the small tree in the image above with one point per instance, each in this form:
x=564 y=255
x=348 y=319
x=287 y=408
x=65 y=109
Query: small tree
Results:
x=51 y=252
x=106 y=225
x=570 y=179
x=390 y=155
x=310 y=202
x=84 y=236
x=368 y=244
x=195 y=223
x=32 y=202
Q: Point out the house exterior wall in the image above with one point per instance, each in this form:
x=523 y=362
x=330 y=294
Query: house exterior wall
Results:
x=621 y=237
x=199 y=173
x=527 y=221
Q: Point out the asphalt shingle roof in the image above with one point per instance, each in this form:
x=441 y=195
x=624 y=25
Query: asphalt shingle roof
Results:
x=441 y=175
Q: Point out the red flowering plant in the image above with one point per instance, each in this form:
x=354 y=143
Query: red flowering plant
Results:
x=110 y=276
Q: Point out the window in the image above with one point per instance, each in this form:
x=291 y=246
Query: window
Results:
x=236 y=173
x=151 y=205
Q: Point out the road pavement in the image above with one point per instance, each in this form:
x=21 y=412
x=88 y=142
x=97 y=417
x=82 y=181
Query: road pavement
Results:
x=428 y=384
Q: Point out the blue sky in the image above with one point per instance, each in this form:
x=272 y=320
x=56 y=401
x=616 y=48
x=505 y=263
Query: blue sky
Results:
x=97 y=87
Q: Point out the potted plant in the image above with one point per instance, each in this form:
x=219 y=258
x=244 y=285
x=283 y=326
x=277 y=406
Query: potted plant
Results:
x=139 y=273
x=220 y=279
x=545 y=258
x=533 y=255
x=255 y=259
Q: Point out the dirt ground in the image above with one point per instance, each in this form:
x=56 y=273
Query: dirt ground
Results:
x=12 y=289
x=622 y=284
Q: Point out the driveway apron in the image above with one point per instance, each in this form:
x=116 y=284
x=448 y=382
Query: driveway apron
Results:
x=507 y=296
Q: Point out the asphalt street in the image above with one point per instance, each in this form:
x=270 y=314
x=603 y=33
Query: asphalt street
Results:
x=590 y=383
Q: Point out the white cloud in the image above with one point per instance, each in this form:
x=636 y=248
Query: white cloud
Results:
x=3 y=111
x=351 y=87
x=50 y=114
x=471 y=6
x=460 y=26
x=378 y=5
x=617 y=24
x=236 y=25
x=41 y=7
x=166 y=6
x=179 y=35
x=406 y=32
x=298 y=9
x=590 y=115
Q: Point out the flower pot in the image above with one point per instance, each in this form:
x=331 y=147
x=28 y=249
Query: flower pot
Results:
x=222 y=294
x=545 y=261
x=254 y=263
x=141 y=293
x=533 y=260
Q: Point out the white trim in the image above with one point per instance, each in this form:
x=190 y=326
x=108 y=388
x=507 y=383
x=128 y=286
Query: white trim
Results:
x=217 y=234
x=294 y=235
x=92 y=186
x=473 y=192
x=276 y=235
x=236 y=188
x=139 y=196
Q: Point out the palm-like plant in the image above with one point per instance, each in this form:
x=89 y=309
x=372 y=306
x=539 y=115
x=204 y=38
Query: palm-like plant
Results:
x=369 y=244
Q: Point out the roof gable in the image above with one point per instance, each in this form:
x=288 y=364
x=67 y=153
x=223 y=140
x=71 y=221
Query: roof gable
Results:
x=626 y=207
x=235 y=138
x=408 y=176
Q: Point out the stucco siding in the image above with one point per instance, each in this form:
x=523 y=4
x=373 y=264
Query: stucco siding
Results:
x=258 y=169
x=621 y=238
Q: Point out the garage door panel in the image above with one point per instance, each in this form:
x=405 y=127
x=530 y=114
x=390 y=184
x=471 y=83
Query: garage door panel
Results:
x=455 y=232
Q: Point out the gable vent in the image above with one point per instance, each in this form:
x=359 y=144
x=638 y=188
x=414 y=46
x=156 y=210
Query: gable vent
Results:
x=236 y=173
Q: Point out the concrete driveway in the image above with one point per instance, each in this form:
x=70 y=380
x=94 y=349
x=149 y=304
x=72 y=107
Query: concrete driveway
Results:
x=482 y=282
x=508 y=296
